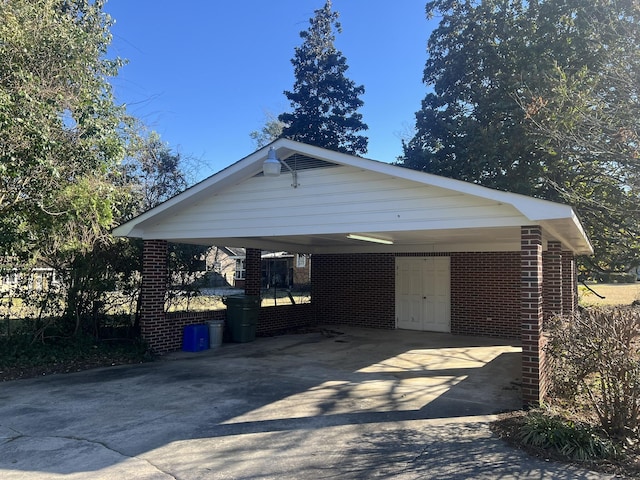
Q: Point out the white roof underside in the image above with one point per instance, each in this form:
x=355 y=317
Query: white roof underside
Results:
x=340 y=194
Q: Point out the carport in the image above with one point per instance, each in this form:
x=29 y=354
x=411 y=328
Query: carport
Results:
x=390 y=248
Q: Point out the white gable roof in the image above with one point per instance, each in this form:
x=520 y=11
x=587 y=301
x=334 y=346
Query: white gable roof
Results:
x=339 y=194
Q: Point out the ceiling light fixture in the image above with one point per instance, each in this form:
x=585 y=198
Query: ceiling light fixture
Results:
x=366 y=238
x=272 y=167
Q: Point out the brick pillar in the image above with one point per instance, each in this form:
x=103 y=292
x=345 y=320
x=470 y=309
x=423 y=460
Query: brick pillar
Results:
x=533 y=378
x=253 y=271
x=552 y=279
x=569 y=283
x=152 y=293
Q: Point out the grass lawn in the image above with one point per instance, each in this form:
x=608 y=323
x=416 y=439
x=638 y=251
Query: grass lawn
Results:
x=269 y=299
x=614 y=294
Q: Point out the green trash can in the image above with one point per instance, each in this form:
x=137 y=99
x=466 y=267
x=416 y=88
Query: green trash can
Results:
x=242 y=317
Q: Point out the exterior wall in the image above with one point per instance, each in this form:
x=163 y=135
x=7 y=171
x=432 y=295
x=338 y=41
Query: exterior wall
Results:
x=253 y=272
x=552 y=288
x=363 y=198
x=485 y=294
x=569 y=283
x=356 y=289
x=534 y=378
x=279 y=319
x=152 y=294
x=169 y=333
x=359 y=290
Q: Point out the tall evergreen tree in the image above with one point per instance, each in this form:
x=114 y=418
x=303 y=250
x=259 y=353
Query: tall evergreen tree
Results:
x=325 y=102
x=539 y=98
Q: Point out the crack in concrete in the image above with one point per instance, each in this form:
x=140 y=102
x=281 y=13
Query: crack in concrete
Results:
x=411 y=463
x=107 y=447
x=11 y=438
x=92 y=442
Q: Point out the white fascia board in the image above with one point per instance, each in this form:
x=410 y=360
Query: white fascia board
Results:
x=570 y=233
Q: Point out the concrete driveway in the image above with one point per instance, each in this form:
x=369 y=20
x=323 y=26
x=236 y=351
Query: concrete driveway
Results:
x=351 y=405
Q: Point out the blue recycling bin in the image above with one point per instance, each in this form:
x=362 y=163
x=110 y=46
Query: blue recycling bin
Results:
x=195 y=338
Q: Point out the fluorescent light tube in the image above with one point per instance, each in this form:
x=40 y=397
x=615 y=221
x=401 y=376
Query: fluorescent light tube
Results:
x=366 y=238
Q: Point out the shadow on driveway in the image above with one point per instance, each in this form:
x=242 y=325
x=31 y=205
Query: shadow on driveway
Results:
x=340 y=403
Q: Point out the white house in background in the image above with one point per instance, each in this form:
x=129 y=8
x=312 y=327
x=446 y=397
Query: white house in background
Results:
x=281 y=269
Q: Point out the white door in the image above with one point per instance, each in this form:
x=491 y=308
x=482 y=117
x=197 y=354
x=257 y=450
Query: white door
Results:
x=423 y=293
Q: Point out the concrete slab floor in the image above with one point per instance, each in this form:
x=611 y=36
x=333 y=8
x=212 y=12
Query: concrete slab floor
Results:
x=339 y=403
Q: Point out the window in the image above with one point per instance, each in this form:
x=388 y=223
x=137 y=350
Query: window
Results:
x=301 y=260
x=12 y=278
x=239 y=269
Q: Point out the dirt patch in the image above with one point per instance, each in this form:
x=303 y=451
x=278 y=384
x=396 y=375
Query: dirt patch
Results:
x=68 y=366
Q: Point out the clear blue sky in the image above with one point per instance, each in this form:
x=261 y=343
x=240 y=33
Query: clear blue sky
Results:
x=204 y=73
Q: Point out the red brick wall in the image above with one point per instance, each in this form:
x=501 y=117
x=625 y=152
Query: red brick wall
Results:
x=552 y=287
x=359 y=290
x=302 y=275
x=169 y=333
x=534 y=377
x=152 y=294
x=485 y=294
x=569 y=283
x=356 y=289
x=252 y=271
x=278 y=319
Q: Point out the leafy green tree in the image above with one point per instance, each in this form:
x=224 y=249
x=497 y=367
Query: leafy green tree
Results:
x=588 y=117
x=154 y=171
x=60 y=129
x=271 y=130
x=62 y=137
x=515 y=88
x=63 y=182
x=469 y=126
x=325 y=102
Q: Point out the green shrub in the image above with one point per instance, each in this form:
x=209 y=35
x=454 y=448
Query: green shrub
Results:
x=593 y=357
x=574 y=441
x=20 y=351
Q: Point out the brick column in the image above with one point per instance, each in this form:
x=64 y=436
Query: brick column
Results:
x=533 y=378
x=569 y=283
x=152 y=293
x=253 y=271
x=552 y=279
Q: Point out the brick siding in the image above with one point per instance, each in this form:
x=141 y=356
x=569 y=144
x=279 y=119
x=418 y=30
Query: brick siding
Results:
x=534 y=383
x=485 y=294
x=152 y=293
x=552 y=287
x=569 y=283
x=252 y=271
x=279 y=319
x=169 y=333
x=354 y=289
x=359 y=290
